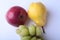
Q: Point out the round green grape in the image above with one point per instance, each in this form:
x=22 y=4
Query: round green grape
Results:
x=32 y=30
x=39 y=39
x=18 y=31
x=21 y=27
x=38 y=31
x=24 y=32
x=34 y=38
x=26 y=38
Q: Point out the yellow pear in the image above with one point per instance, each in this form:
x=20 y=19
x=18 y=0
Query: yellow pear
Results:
x=37 y=13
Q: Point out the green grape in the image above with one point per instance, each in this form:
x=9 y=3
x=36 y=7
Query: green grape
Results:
x=34 y=38
x=26 y=38
x=24 y=32
x=18 y=31
x=39 y=39
x=21 y=27
x=38 y=31
x=32 y=30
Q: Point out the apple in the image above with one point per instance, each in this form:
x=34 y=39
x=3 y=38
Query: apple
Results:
x=16 y=16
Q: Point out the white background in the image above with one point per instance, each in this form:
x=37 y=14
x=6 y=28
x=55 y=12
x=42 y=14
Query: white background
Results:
x=52 y=28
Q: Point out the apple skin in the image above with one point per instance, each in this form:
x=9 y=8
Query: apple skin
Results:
x=16 y=16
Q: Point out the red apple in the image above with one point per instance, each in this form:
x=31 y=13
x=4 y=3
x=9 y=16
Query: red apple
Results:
x=16 y=16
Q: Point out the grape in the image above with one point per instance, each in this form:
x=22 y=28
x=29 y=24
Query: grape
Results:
x=24 y=32
x=26 y=38
x=34 y=38
x=32 y=30
x=39 y=39
x=38 y=31
x=18 y=31
x=21 y=27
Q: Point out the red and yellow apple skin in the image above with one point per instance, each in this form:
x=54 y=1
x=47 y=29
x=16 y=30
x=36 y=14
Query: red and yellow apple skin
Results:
x=16 y=16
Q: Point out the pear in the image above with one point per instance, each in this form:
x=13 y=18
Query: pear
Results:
x=37 y=13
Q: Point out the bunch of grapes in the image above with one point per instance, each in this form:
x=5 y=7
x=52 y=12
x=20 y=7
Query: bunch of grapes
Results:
x=29 y=33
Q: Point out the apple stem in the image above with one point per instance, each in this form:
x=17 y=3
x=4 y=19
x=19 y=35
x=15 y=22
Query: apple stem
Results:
x=43 y=29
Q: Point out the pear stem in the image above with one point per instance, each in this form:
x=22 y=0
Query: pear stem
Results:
x=43 y=29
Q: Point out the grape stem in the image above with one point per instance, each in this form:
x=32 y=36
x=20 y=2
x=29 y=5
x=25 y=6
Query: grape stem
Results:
x=43 y=29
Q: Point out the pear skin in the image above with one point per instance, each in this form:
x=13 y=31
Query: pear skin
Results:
x=37 y=13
